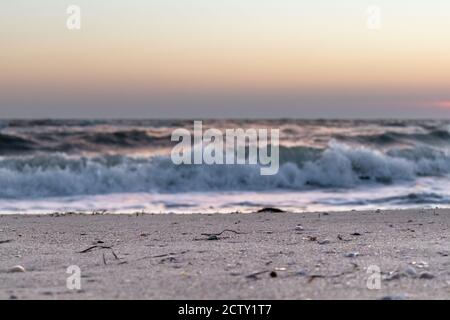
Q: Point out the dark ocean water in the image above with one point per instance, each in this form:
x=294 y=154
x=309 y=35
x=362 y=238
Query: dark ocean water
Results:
x=124 y=166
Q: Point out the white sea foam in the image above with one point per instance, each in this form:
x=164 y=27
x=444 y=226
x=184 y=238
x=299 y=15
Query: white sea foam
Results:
x=340 y=165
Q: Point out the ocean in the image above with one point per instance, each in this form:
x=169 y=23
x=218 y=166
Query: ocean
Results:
x=124 y=166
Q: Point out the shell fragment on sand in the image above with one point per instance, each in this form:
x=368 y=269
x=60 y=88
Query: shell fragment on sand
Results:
x=17 y=269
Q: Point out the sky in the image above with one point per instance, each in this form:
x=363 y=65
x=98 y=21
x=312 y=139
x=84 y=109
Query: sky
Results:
x=233 y=58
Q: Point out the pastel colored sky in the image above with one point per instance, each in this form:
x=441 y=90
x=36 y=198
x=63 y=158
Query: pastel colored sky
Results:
x=233 y=58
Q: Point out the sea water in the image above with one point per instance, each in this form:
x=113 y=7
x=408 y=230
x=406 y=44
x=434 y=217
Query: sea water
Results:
x=124 y=166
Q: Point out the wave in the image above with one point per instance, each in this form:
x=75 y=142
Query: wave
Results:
x=129 y=138
x=434 y=137
x=339 y=166
x=12 y=143
x=121 y=136
x=76 y=141
x=84 y=123
x=404 y=199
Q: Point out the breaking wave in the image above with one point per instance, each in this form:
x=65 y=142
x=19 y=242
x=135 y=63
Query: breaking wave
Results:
x=338 y=166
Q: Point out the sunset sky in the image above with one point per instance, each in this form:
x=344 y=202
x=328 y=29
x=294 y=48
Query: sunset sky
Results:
x=232 y=58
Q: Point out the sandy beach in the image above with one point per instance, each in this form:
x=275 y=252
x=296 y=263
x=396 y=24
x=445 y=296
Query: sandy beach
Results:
x=259 y=256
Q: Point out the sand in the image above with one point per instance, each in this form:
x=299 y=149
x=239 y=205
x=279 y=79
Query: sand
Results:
x=265 y=256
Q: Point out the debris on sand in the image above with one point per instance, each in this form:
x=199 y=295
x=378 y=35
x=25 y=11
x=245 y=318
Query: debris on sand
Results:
x=95 y=247
x=393 y=275
x=101 y=247
x=280 y=269
x=220 y=233
x=354 y=268
x=410 y=271
x=393 y=298
x=254 y=275
x=270 y=210
x=340 y=237
x=215 y=236
x=164 y=255
x=17 y=269
x=352 y=254
x=420 y=264
x=299 y=227
x=6 y=241
x=301 y=273
x=426 y=275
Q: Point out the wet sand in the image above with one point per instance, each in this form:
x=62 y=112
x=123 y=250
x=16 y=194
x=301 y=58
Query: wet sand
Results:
x=260 y=256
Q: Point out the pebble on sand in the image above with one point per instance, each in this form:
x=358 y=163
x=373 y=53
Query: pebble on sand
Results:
x=426 y=275
x=352 y=254
x=411 y=272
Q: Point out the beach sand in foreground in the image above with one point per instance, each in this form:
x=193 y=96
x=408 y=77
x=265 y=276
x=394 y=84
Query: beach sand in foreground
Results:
x=262 y=256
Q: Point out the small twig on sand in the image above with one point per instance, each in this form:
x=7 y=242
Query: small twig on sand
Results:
x=100 y=247
x=114 y=254
x=336 y=275
x=215 y=236
x=255 y=275
x=220 y=233
x=170 y=254
x=163 y=255
x=95 y=247
x=6 y=241
x=104 y=259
